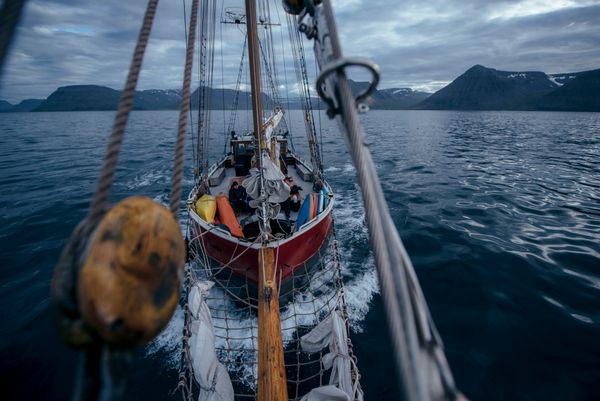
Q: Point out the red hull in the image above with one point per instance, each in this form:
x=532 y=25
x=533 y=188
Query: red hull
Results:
x=242 y=259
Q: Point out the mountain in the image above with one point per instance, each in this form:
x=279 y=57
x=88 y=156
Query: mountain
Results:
x=225 y=99
x=398 y=98
x=27 y=105
x=157 y=99
x=393 y=98
x=94 y=97
x=481 y=88
x=579 y=92
x=81 y=98
x=5 y=106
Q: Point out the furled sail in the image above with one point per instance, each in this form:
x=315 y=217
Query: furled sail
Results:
x=332 y=332
x=211 y=375
x=275 y=189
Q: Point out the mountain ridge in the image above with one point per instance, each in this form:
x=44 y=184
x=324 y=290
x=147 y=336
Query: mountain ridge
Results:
x=483 y=88
x=478 y=88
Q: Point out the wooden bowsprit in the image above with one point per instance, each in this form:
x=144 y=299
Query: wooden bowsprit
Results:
x=272 y=385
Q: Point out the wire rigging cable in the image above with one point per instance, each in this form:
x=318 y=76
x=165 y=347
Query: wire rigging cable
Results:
x=304 y=88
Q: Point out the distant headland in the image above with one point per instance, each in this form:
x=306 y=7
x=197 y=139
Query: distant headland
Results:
x=479 y=88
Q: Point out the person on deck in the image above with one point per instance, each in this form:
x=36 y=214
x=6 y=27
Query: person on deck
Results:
x=292 y=204
x=238 y=197
x=295 y=198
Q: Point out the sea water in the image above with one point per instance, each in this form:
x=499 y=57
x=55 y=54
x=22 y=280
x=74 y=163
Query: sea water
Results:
x=500 y=212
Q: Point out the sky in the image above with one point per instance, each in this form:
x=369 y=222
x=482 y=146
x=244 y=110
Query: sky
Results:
x=423 y=45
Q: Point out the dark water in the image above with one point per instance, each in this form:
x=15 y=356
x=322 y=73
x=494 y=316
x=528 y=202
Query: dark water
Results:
x=500 y=212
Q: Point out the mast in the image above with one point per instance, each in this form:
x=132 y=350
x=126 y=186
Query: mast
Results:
x=254 y=62
x=272 y=385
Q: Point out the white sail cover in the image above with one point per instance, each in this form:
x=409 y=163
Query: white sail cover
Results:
x=276 y=190
x=211 y=375
x=332 y=332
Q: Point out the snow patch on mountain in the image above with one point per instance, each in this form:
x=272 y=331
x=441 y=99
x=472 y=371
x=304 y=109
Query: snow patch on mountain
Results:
x=554 y=81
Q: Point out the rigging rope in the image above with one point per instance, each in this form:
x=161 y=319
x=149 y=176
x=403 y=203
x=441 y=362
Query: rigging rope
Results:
x=275 y=98
x=236 y=97
x=222 y=70
x=103 y=188
x=202 y=55
x=194 y=154
x=302 y=77
x=288 y=122
x=207 y=52
x=175 y=197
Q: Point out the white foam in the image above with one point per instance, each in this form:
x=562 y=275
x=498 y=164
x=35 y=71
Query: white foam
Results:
x=163 y=199
x=349 y=168
x=359 y=293
x=168 y=342
x=146 y=179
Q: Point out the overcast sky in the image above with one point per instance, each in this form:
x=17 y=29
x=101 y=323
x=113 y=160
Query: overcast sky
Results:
x=418 y=44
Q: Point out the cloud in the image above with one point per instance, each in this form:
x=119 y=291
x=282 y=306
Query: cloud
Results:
x=428 y=44
x=417 y=44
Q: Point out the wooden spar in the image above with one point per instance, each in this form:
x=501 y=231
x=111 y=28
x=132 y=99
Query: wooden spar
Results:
x=272 y=385
x=254 y=63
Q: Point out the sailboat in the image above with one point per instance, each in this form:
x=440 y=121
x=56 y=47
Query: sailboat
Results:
x=260 y=226
x=282 y=203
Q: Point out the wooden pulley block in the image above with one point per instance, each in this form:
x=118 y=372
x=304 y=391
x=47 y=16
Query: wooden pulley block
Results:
x=128 y=285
